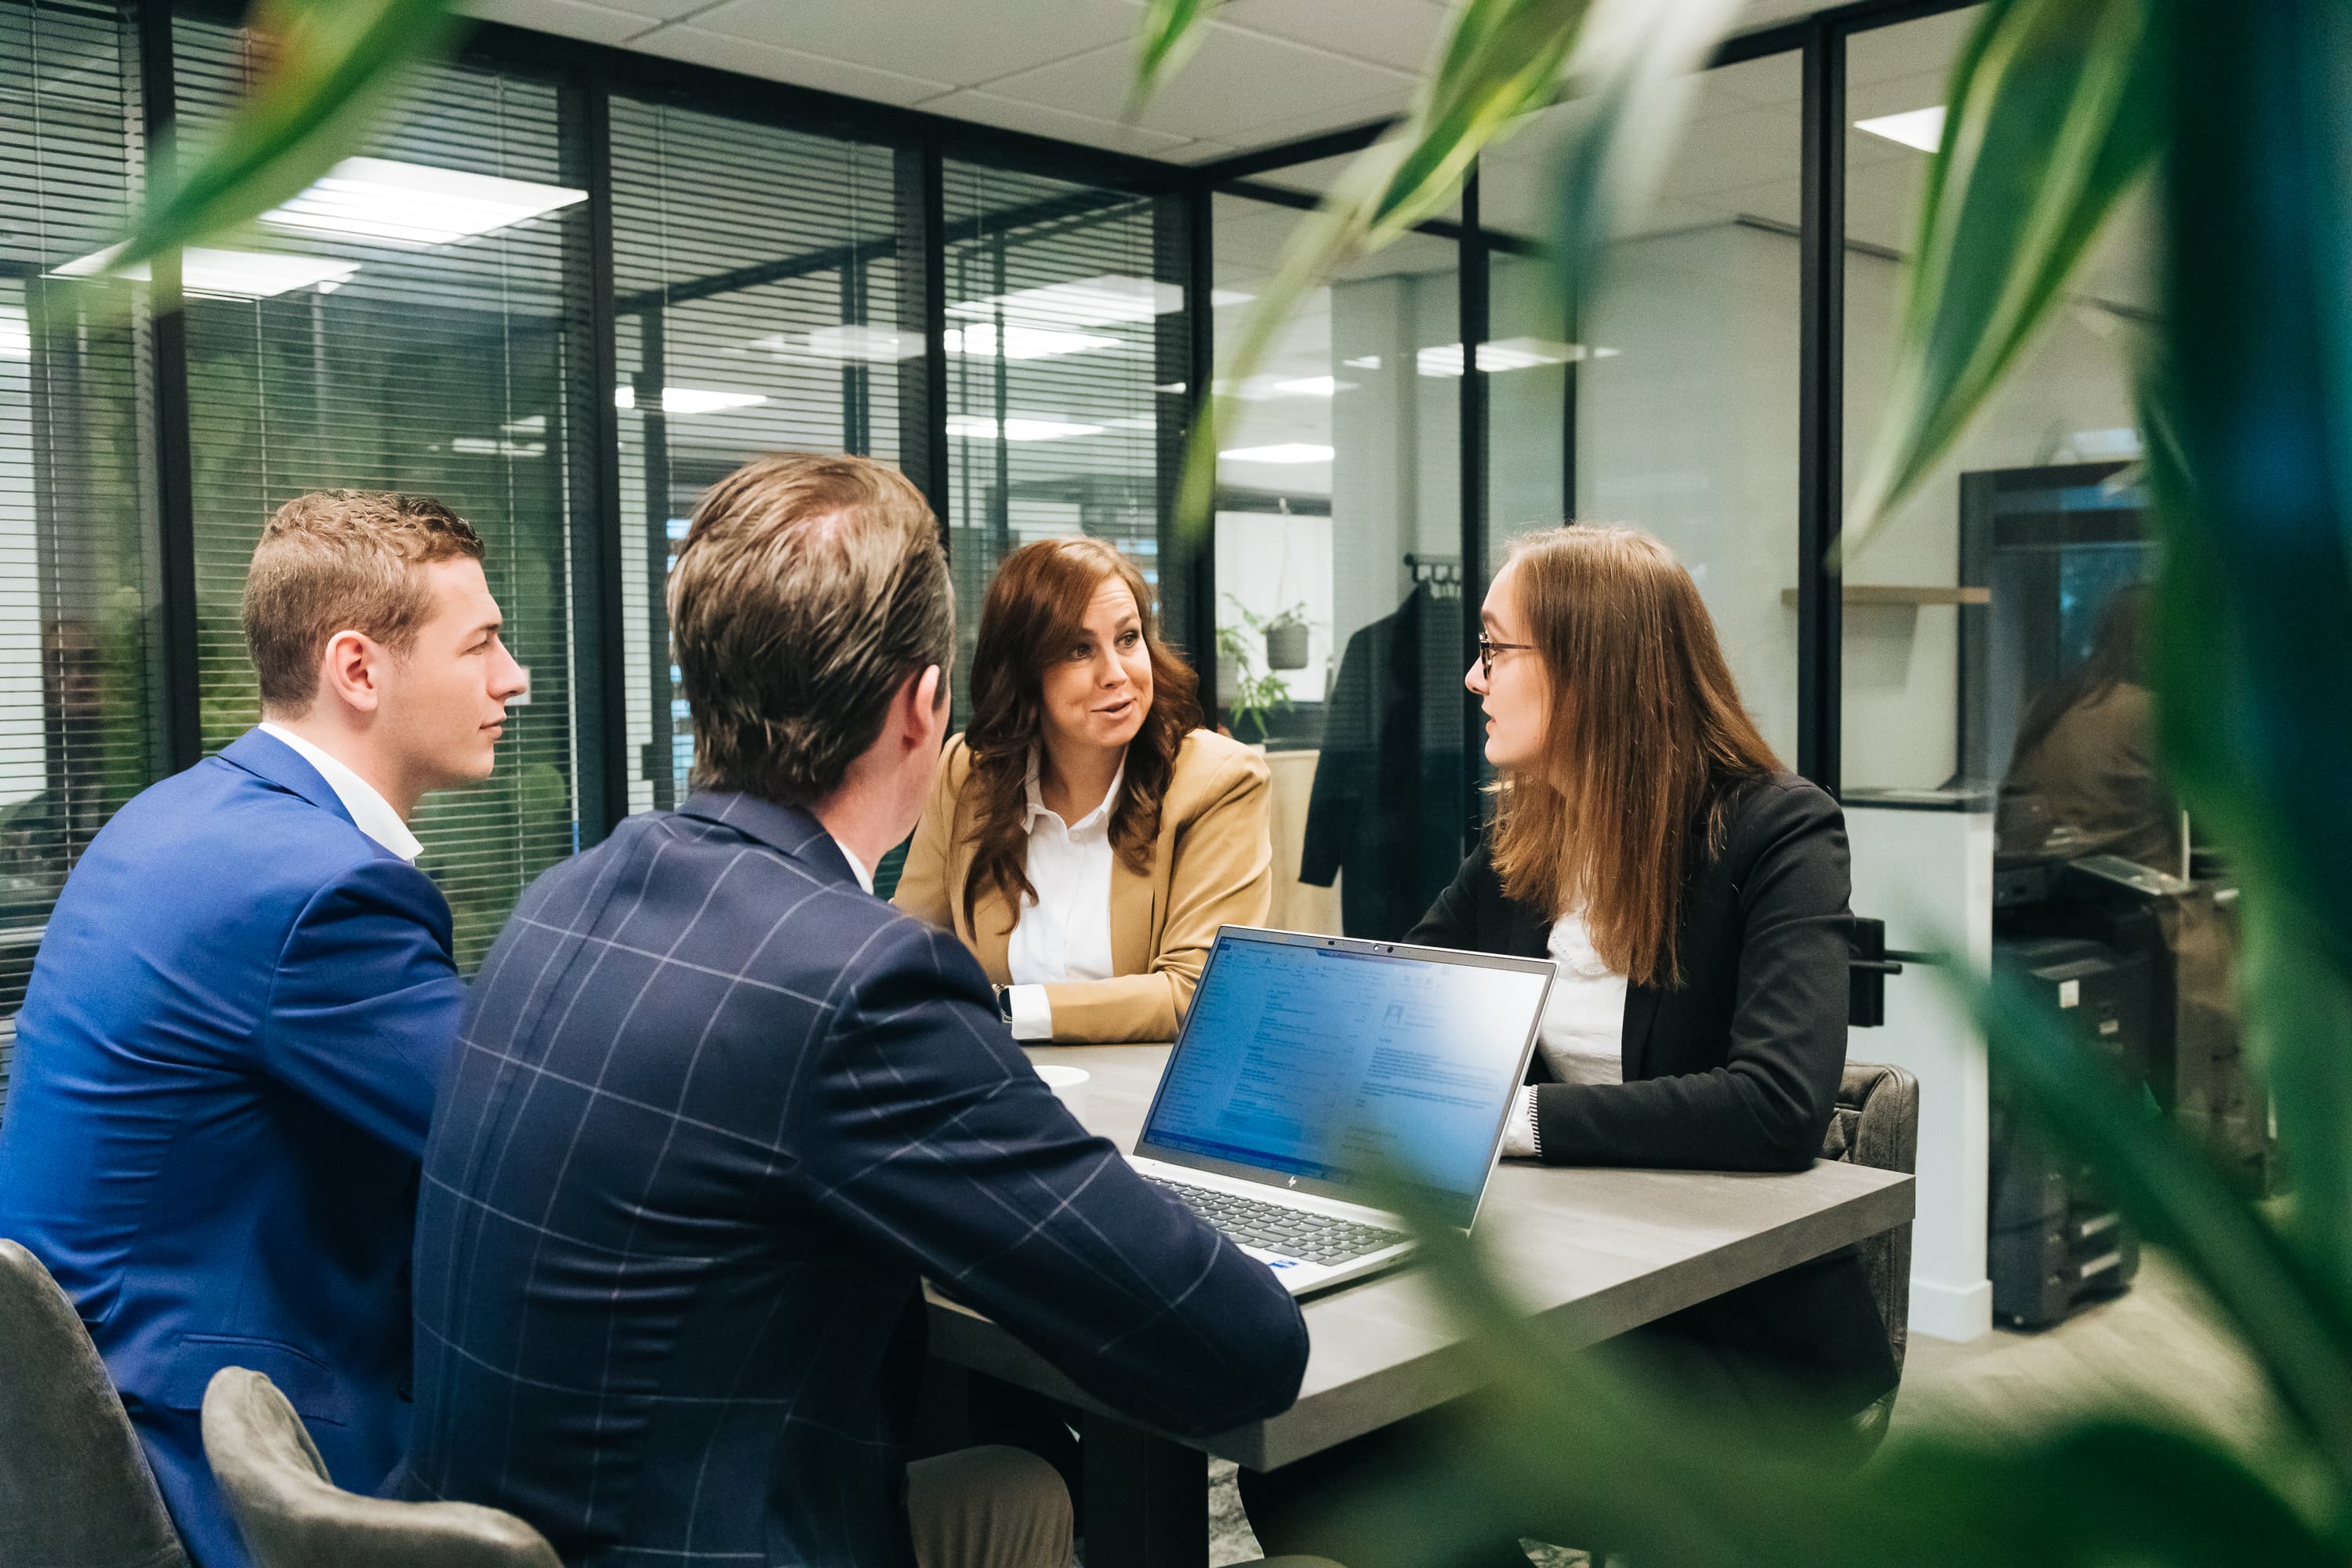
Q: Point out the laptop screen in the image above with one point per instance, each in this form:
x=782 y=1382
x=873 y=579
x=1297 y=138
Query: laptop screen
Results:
x=1318 y=1058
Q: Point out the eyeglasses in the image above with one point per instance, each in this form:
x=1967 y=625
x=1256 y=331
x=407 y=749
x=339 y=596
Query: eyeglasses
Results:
x=1488 y=648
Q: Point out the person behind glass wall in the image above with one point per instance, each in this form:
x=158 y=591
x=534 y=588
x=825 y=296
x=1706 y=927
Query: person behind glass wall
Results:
x=1088 y=837
x=2082 y=776
x=1693 y=893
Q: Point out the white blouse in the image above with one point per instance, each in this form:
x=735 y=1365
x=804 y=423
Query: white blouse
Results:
x=1064 y=933
x=1582 y=1035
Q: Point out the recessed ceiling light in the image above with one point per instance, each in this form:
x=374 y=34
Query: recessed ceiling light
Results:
x=1023 y=342
x=1920 y=128
x=1089 y=302
x=1502 y=354
x=980 y=427
x=224 y=274
x=690 y=399
x=1219 y=299
x=414 y=204
x=852 y=341
x=1285 y=452
x=1313 y=386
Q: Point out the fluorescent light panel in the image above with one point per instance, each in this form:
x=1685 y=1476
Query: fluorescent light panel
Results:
x=1920 y=128
x=16 y=332
x=690 y=399
x=978 y=340
x=1089 y=303
x=414 y=204
x=1284 y=452
x=225 y=274
x=978 y=426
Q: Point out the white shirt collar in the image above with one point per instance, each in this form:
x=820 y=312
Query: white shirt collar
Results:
x=864 y=877
x=371 y=812
x=1098 y=818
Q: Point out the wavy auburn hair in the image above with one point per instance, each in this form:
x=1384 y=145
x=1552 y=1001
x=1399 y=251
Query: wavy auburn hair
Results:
x=1645 y=746
x=1034 y=614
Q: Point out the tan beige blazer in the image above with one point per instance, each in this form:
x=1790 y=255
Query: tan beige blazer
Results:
x=1212 y=865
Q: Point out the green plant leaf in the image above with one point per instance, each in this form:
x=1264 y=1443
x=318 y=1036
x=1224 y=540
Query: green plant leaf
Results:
x=1170 y=33
x=2253 y=646
x=1576 y=1448
x=330 y=66
x=2295 y=1327
x=1503 y=60
x=2053 y=116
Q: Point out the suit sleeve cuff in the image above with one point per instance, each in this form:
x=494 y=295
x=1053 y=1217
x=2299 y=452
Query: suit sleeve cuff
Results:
x=1520 y=1141
x=1033 y=1014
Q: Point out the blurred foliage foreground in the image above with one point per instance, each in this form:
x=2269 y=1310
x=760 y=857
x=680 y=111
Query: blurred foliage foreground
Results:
x=2240 y=113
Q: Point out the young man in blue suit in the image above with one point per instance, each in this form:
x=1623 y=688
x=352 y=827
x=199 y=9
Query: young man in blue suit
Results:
x=718 y=1111
x=229 y=1050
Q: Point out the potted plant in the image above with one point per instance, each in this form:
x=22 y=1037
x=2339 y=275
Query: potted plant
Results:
x=1286 y=638
x=1258 y=690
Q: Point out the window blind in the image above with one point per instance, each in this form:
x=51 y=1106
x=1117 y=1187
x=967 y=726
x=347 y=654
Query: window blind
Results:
x=756 y=283
x=79 y=731
x=1066 y=321
x=404 y=326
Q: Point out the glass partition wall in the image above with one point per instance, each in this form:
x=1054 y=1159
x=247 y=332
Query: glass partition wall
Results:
x=567 y=288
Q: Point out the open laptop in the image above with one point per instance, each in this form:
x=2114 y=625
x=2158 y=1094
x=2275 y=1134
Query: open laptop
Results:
x=1306 y=1061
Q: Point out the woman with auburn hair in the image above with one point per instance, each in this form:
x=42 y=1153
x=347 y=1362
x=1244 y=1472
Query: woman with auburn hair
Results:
x=1692 y=892
x=1087 y=836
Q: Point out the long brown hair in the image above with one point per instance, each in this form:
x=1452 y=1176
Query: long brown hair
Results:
x=1644 y=745
x=1034 y=611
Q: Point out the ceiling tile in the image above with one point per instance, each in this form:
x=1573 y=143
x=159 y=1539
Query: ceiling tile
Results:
x=1036 y=119
x=566 y=18
x=693 y=44
x=962 y=42
x=1399 y=34
x=1235 y=86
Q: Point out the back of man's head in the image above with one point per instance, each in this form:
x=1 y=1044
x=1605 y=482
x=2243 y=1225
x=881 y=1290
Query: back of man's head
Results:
x=341 y=561
x=808 y=589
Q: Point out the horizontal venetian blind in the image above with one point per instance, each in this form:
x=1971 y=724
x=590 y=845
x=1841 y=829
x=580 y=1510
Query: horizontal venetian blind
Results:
x=1066 y=319
x=79 y=733
x=756 y=281
x=406 y=329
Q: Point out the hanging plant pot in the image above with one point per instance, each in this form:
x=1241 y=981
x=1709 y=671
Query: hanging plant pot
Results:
x=1286 y=647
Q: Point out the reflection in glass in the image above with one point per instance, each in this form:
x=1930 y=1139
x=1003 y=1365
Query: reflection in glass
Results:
x=1339 y=575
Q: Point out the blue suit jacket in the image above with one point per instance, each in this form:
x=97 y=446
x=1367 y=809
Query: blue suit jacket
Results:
x=223 y=1067
x=715 y=1111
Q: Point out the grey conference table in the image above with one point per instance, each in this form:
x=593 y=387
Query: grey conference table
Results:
x=1594 y=1252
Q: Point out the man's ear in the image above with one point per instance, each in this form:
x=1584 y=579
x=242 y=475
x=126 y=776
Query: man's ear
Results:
x=926 y=695
x=348 y=671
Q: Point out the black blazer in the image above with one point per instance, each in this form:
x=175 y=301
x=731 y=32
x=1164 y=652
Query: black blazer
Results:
x=1736 y=1069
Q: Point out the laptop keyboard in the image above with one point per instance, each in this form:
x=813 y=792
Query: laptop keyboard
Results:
x=1294 y=1233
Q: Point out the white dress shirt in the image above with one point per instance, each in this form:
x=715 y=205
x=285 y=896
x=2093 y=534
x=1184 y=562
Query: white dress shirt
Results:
x=1064 y=933
x=856 y=866
x=1582 y=1035
x=371 y=812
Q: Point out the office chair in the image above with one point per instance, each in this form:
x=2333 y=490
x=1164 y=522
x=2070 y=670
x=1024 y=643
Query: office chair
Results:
x=1877 y=1123
x=293 y=1515
x=75 y=1489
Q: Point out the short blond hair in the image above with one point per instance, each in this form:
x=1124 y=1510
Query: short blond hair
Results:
x=339 y=560
x=807 y=589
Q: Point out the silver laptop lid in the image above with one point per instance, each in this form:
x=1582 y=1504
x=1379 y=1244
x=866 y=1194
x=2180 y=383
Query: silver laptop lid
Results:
x=1304 y=1060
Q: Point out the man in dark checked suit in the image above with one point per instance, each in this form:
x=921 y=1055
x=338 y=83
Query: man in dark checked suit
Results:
x=717 y=1109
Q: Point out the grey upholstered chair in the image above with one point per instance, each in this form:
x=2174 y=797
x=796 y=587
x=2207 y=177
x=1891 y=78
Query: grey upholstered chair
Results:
x=75 y=1489
x=1877 y=1124
x=293 y=1515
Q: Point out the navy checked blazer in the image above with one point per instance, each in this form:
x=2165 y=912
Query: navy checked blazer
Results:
x=713 y=1113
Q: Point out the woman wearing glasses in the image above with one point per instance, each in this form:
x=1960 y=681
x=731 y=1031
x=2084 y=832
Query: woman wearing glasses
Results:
x=1692 y=892
x=1086 y=838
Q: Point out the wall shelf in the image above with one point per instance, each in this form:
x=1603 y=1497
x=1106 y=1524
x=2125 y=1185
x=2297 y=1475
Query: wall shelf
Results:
x=1903 y=594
